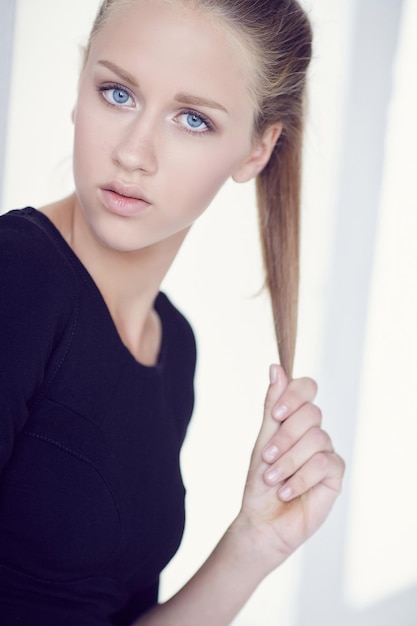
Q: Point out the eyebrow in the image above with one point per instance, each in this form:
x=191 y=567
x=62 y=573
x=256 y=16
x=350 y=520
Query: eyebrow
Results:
x=190 y=100
x=126 y=76
x=183 y=98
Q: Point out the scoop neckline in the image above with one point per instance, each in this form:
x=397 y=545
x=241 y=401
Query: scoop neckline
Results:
x=47 y=225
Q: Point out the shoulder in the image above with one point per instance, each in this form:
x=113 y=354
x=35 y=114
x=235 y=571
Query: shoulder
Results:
x=179 y=359
x=30 y=252
x=35 y=277
x=173 y=320
x=178 y=336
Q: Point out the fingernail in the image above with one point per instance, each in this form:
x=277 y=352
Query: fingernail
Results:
x=271 y=454
x=280 y=411
x=273 y=476
x=285 y=493
x=273 y=374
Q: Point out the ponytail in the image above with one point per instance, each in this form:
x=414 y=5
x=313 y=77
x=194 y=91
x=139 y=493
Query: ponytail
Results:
x=278 y=196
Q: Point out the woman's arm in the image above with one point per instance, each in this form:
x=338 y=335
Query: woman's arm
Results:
x=36 y=304
x=293 y=481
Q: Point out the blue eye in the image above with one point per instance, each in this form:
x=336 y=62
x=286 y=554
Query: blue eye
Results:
x=120 y=96
x=195 y=123
x=194 y=120
x=116 y=96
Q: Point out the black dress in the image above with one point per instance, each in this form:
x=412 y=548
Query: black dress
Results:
x=91 y=496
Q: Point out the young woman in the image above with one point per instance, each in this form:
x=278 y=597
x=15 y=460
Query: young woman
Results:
x=175 y=97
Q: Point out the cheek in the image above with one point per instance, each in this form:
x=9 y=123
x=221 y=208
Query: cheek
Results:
x=194 y=187
x=82 y=137
x=90 y=146
x=86 y=133
x=90 y=128
x=202 y=171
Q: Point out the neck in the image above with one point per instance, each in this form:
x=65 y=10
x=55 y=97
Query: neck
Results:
x=128 y=281
x=124 y=276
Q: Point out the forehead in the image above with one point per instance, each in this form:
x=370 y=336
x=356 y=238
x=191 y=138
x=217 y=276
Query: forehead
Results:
x=190 y=43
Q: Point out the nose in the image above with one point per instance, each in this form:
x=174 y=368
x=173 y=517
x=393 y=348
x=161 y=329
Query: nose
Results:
x=136 y=147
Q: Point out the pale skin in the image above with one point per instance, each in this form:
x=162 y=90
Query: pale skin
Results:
x=169 y=128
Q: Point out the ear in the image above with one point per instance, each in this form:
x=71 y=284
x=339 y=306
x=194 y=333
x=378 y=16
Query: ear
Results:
x=259 y=154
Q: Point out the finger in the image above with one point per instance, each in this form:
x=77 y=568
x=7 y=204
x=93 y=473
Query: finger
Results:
x=298 y=392
x=314 y=442
x=291 y=430
x=277 y=386
x=325 y=468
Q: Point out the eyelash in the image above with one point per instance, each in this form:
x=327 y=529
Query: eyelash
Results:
x=209 y=125
x=104 y=89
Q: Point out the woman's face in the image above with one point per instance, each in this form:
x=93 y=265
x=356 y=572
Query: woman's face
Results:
x=163 y=119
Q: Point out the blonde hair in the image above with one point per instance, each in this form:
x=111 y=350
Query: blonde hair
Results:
x=276 y=36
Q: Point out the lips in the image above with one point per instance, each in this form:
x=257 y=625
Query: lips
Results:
x=123 y=200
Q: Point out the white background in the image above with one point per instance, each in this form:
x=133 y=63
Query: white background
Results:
x=358 y=301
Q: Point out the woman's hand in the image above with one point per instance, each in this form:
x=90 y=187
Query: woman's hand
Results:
x=294 y=475
x=293 y=480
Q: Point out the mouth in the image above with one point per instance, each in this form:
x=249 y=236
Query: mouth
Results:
x=123 y=200
x=132 y=192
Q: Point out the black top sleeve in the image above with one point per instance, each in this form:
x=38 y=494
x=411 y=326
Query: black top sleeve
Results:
x=29 y=289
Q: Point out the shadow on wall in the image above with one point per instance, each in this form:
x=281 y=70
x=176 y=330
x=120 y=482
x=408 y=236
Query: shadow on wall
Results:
x=376 y=42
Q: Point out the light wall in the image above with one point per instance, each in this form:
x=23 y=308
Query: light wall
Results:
x=358 y=301
x=7 y=13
